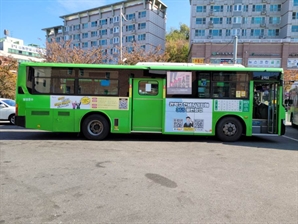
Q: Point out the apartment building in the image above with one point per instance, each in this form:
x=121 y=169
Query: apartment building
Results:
x=266 y=30
x=111 y=26
x=16 y=48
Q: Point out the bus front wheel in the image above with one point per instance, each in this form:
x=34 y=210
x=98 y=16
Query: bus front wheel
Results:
x=229 y=129
x=95 y=127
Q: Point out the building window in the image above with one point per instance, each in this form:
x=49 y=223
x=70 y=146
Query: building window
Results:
x=116 y=40
x=116 y=29
x=237 y=20
x=229 y=20
x=84 y=35
x=103 y=32
x=237 y=8
x=76 y=27
x=295 y=29
x=216 y=8
x=103 y=22
x=257 y=20
x=294 y=15
x=93 y=33
x=93 y=43
x=116 y=19
x=216 y=20
x=130 y=16
x=141 y=37
x=130 y=49
x=77 y=45
x=295 y=2
x=256 y=32
x=244 y=20
x=243 y=33
x=201 y=8
x=200 y=20
x=275 y=8
x=130 y=27
x=235 y=32
x=229 y=8
x=130 y=38
x=57 y=39
x=228 y=33
x=142 y=14
x=103 y=42
x=76 y=36
x=215 y=33
x=245 y=8
x=200 y=33
x=67 y=37
x=141 y=26
x=85 y=25
x=94 y=24
x=84 y=44
x=274 y=20
x=258 y=8
x=273 y=33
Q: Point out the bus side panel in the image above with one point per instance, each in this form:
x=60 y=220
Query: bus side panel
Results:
x=38 y=114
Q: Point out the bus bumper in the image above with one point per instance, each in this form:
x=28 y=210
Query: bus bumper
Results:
x=20 y=121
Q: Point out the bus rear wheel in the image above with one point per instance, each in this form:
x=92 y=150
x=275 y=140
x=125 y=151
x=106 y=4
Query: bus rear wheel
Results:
x=229 y=129
x=95 y=127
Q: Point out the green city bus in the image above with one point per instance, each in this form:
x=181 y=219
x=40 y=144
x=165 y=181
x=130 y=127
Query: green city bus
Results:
x=226 y=101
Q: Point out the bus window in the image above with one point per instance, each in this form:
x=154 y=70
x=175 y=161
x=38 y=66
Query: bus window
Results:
x=204 y=85
x=148 y=88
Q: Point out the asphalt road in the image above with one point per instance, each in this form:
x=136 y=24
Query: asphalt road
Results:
x=62 y=178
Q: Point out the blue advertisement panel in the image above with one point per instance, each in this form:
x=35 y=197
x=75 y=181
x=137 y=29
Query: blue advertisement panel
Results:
x=188 y=115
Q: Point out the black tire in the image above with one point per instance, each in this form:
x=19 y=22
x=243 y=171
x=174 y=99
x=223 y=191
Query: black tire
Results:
x=229 y=129
x=12 y=119
x=95 y=127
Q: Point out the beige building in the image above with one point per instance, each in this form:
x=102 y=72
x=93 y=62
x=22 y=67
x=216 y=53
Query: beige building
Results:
x=142 y=21
x=267 y=32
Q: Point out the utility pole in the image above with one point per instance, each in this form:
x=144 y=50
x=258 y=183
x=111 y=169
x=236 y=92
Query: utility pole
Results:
x=235 y=50
x=120 y=33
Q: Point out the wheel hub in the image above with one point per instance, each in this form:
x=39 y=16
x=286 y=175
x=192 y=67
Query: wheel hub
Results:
x=95 y=128
x=229 y=129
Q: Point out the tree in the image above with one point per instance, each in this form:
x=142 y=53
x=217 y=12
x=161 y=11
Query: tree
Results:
x=8 y=70
x=63 y=52
x=136 y=53
x=177 y=45
x=289 y=77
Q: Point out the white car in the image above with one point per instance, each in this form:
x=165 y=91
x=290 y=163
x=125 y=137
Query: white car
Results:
x=7 y=110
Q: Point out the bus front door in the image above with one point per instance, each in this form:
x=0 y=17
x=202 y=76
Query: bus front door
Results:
x=147 y=105
x=265 y=109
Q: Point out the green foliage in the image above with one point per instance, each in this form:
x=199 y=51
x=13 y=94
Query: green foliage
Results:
x=8 y=69
x=177 y=44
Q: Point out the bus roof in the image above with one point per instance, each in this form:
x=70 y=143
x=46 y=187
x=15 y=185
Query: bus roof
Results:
x=159 y=66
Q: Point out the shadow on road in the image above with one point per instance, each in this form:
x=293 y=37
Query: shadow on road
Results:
x=11 y=132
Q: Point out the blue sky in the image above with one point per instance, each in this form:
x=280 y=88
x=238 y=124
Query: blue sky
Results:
x=25 y=19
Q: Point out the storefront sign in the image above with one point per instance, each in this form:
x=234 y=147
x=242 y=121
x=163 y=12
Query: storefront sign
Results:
x=292 y=63
x=270 y=63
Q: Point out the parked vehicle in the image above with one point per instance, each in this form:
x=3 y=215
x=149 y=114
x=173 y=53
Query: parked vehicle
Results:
x=7 y=110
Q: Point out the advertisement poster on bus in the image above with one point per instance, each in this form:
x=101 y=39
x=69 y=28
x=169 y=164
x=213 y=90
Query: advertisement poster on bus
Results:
x=179 y=82
x=87 y=102
x=188 y=115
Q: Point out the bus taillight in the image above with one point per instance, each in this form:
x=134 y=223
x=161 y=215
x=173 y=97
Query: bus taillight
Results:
x=17 y=109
